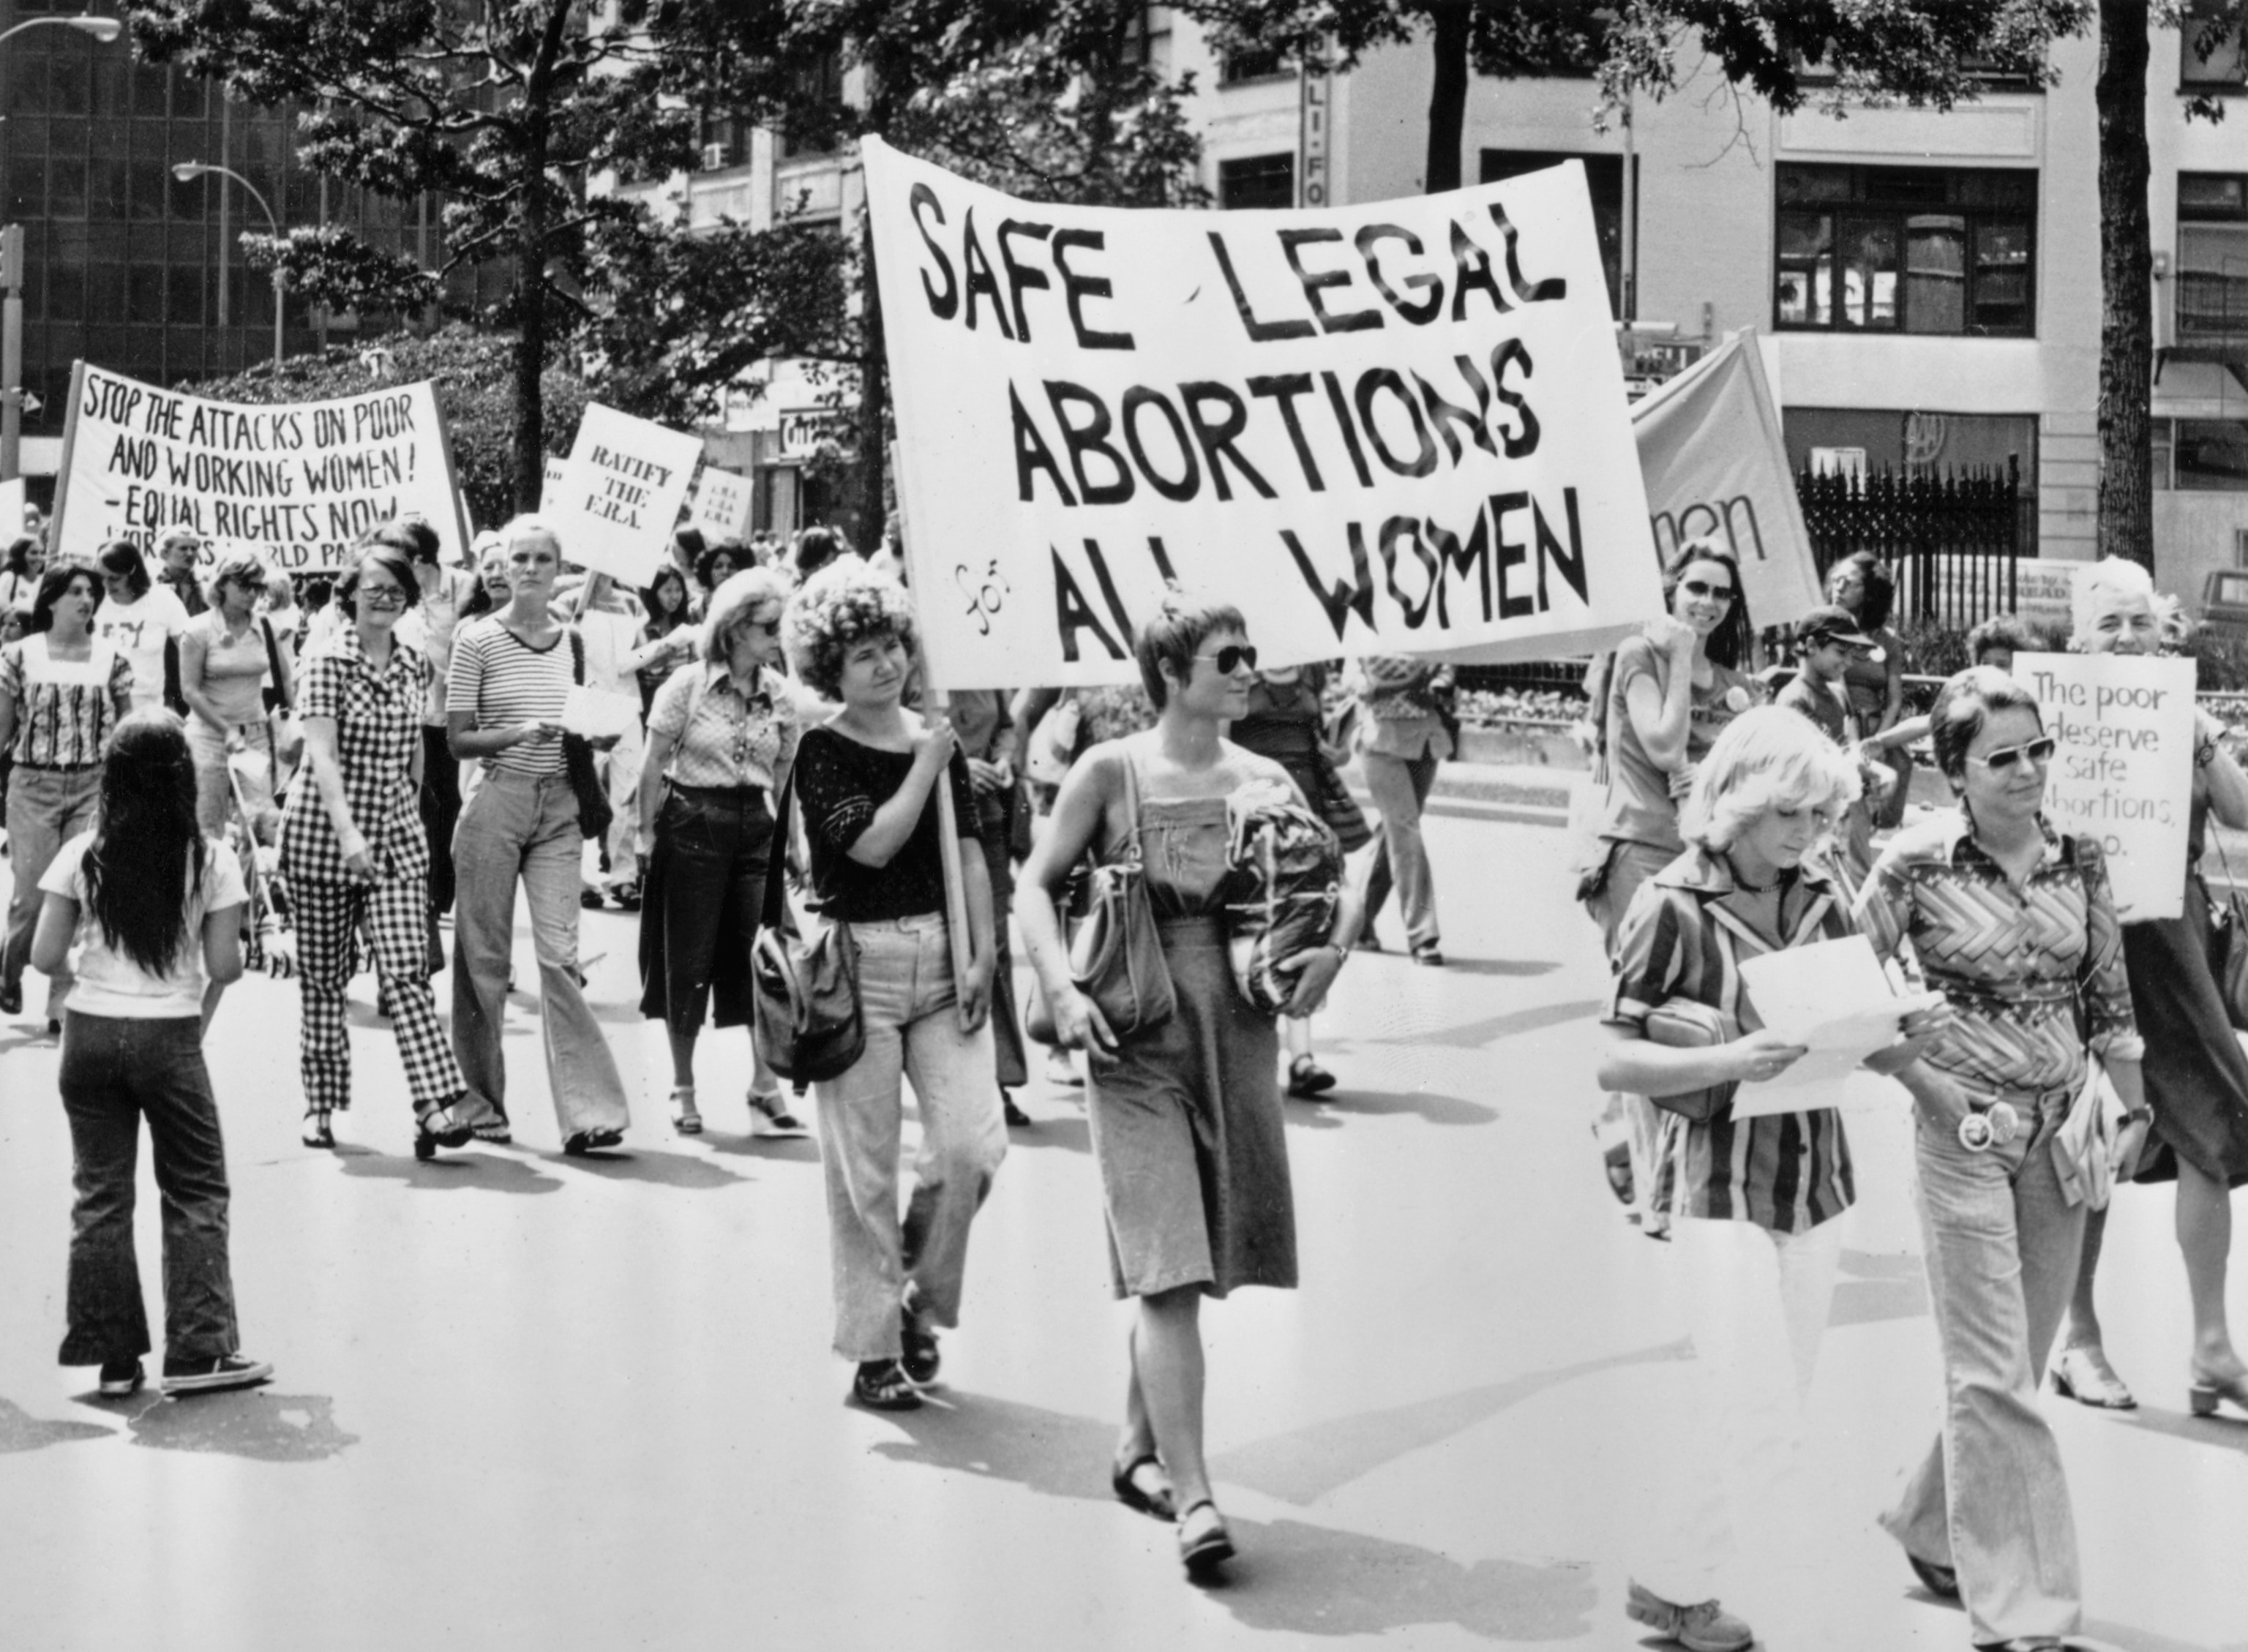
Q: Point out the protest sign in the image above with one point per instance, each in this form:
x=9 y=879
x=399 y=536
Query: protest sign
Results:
x=1715 y=465
x=1390 y=429
x=12 y=501
x=550 y=485
x=298 y=483
x=2044 y=596
x=721 y=504
x=620 y=493
x=2123 y=774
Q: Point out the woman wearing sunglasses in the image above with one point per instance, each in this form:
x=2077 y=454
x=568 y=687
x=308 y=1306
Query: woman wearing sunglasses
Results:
x=2197 y=1075
x=2012 y=921
x=1670 y=692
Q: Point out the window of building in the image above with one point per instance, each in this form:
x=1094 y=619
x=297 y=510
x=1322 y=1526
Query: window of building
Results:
x=724 y=141
x=1603 y=178
x=2225 y=64
x=2210 y=456
x=1241 y=66
x=1148 y=37
x=1907 y=249
x=817 y=83
x=2212 y=258
x=1256 y=180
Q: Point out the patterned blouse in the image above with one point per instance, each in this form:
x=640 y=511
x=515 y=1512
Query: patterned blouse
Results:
x=378 y=717
x=2014 y=962
x=65 y=709
x=1786 y=1172
x=721 y=738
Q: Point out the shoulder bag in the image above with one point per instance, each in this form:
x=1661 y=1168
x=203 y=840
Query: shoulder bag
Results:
x=1116 y=959
x=804 y=995
x=594 y=814
x=277 y=697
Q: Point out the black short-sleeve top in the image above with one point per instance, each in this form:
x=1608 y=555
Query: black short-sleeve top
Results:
x=840 y=783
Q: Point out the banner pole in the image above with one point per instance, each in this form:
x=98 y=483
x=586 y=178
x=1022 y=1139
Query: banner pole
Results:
x=55 y=539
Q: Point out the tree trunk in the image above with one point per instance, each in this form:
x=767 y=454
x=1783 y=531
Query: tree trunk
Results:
x=1448 y=93
x=530 y=356
x=2127 y=320
x=874 y=401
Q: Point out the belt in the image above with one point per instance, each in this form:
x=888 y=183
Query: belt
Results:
x=1982 y=1097
x=60 y=768
x=719 y=793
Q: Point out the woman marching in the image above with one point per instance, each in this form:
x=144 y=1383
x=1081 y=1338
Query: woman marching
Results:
x=351 y=845
x=511 y=674
x=1186 y=1124
x=864 y=784
x=62 y=691
x=2196 y=1076
x=2012 y=921
x=226 y=654
x=153 y=909
x=722 y=737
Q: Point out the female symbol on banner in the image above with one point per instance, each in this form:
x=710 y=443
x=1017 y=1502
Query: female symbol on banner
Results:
x=985 y=599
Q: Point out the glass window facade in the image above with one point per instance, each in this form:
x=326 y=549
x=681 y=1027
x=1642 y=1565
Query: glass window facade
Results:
x=1928 y=249
x=1258 y=180
x=2212 y=258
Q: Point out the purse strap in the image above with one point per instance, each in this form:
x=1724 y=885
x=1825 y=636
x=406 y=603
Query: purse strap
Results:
x=777 y=862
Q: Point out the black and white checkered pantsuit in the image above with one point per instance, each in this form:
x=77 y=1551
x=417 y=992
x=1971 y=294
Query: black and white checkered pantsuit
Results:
x=396 y=919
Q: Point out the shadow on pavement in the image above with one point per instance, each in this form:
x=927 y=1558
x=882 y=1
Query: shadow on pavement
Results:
x=663 y=1170
x=1423 y=1104
x=2228 y=1430
x=20 y=1431
x=781 y=1149
x=255 y=1423
x=1474 y=1035
x=449 y=1171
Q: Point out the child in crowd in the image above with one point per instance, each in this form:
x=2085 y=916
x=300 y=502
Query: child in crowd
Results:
x=1828 y=642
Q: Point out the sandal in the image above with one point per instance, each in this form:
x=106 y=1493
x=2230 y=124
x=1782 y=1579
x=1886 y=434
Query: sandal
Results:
x=882 y=1385
x=684 y=1118
x=437 y=1128
x=2203 y=1393
x=1203 y=1543
x=1133 y=1491
x=919 y=1359
x=581 y=1142
x=1307 y=1077
x=1943 y=1581
x=2084 y=1375
x=493 y=1130
x=316 y=1133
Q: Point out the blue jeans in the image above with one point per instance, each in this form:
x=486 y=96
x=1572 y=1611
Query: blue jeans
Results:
x=113 y=1072
x=46 y=809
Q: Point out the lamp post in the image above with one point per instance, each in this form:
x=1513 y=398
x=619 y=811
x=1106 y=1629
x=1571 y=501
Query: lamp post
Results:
x=103 y=31
x=190 y=169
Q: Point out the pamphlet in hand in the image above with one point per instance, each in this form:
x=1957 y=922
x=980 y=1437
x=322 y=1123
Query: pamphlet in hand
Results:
x=597 y=715
x=1832 y=998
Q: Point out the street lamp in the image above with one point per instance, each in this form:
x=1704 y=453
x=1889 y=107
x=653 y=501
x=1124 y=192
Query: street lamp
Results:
x=188 y=170
x=103 y=30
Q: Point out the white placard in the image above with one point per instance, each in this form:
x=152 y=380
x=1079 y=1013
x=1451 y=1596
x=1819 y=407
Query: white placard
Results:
x=598 y=714
x=298 y=483
x=11 y=508
x=1395 y=428
x=550 y=485
x=2123 y=775
x=1834 y=998
x=721 y=504
x=618 y=498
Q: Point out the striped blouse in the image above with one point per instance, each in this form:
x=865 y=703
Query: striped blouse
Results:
x=504 y=681
x=1682 y=940
x=65 y=709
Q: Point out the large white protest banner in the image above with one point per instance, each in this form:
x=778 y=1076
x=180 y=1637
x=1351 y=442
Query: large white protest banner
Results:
x=721 y=504
x=619 y=495
x=1397 y=427
x=1715 y=467
x=298 y=483
x=2123 y=773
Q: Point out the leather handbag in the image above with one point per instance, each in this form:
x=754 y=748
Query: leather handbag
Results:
x=1116 y=958
x=594 y=814
x=803 y=994
x=1682 y=1024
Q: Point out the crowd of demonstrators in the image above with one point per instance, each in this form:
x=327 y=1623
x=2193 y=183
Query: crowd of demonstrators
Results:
x=865 y=784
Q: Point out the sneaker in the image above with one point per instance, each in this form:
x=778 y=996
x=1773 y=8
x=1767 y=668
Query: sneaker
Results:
x=123 y=1376
x=769 y=1116
x=1429 y=955
x=209 y=1375
x=1704 y=1626
x=590 y=899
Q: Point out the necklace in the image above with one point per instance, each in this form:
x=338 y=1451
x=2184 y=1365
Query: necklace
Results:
x=1740 y=883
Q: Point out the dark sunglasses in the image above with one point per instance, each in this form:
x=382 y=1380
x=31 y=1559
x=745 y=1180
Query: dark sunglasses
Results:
x=2039 y=751
x=1702 y=588
x=1231 y=658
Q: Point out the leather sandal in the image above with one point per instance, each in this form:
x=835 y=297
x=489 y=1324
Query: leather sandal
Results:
x=684 y=1118
x=2084 y=1375
x=1144 y=1485
x=1307 y=1077
x=437 y=1128
x=882 y=1385
x=1203 y=1541
x=316 y=1133
x=2202 y=1395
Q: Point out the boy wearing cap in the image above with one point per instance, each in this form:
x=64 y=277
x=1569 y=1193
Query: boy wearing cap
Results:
x=1827 y=641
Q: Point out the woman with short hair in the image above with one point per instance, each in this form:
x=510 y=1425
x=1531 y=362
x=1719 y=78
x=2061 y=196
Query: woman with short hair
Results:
x=63 y=689
x=2012 y=921
x=864 y=784
x=226 y=654
x=1188 y=1131
x=512 y=674
x=353 y=846
x=721 y=738
x=142 y=619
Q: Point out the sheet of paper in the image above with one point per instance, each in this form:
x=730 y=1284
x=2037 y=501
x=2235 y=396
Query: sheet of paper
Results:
x=598 y=716
x=1834 y=999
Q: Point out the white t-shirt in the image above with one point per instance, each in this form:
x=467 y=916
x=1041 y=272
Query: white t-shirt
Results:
x=141 y=630
x=109 y=981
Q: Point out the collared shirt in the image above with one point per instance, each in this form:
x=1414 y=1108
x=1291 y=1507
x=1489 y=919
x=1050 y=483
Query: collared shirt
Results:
x=720 y=736
x=1396 y=696
x=1684 y=939
x=378 y=717
x=2015 y=963
x=65 y=709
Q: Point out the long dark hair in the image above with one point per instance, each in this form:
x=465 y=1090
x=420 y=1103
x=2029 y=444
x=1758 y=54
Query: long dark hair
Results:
x=19 y=554
x=123 y=557
x=145 y=833
x=54 y=585
x=660 y=622
x=1729 y=643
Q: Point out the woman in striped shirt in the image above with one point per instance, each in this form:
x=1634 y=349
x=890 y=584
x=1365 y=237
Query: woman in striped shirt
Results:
x=510 y=674
x=1758 y=1244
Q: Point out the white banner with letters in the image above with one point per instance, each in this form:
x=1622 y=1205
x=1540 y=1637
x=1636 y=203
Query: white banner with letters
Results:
x=1391 y=428
x=299 y=482
x=721 y=504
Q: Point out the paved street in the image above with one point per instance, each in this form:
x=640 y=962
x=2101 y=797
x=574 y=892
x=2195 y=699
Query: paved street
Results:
x=538 y=1402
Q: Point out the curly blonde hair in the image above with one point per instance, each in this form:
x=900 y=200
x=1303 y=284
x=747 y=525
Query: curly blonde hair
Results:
x=845 y=603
